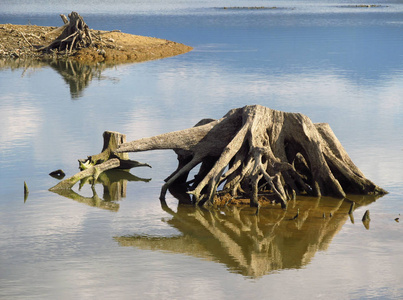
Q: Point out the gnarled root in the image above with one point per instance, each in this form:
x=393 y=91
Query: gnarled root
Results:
x=75 y=35
x=256 y=149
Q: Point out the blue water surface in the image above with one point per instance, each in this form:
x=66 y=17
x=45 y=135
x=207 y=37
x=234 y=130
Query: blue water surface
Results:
x=332 y=61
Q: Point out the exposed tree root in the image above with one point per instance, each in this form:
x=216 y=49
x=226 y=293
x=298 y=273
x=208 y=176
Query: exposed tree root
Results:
x=75 y=35
x=254 y=149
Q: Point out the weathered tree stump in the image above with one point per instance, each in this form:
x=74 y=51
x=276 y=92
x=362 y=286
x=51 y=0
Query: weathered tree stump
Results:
x=96 y=164
x=75 y=35
x=254 y=149
x=112 y=140
x=93 y=171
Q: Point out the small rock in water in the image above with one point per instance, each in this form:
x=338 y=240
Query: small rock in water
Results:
x=59 y=174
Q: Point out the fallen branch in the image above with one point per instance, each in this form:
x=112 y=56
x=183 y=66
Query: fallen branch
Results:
x=93 y=171
x=106 y=32
x=25 y=39
x=94 y=165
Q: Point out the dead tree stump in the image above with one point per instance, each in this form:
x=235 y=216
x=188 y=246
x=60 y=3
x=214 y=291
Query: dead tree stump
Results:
x=254 y=149
x=75 y=35
x=94 y=165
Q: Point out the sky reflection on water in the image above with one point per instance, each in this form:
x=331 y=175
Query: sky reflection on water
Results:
x=336 y=65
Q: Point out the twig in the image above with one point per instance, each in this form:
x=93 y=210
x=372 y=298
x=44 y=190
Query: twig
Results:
x=25 y=38
x=61 y=28
x=106 y=32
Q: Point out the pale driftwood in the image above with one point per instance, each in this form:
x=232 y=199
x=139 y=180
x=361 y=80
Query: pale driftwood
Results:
x=75 y=35
x=93 y=171
x=64 y=19
x=106 y=32
x=112 y=140
x=255 y=148
x=96 y=164
x=25 y=39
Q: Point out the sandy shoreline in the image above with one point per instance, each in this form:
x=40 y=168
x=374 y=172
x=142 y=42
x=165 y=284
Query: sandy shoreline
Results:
x=22 y=41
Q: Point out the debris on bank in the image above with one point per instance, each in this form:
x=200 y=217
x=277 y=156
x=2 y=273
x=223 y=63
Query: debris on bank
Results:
x=82 y=44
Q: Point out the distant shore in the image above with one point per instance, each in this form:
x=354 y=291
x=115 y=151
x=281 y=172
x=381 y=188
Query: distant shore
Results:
x=23 y=41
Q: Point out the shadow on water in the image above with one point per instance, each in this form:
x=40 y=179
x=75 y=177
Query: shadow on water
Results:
x=254 y=245
x=114 y=184
x=77 y=76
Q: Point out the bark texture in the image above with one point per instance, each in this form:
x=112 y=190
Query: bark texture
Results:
x=254 y=150
x=94 y=165
x=75 y=35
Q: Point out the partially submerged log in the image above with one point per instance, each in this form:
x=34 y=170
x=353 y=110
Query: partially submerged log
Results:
x=254 y=150
x=94 y=165
x=93 y=171
x=112 y=140
x=75 y=35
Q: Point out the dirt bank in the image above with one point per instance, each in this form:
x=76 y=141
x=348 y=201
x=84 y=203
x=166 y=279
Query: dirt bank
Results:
x=23 y=41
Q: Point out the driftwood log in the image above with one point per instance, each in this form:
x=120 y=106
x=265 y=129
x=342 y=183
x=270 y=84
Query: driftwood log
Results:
x=94 y=165
x=254 y=150
x=75 y=35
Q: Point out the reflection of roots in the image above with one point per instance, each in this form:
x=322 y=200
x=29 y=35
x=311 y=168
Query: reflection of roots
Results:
x=249 y=244
x=254 y=149
x=94 y=201
x=77 y=76
x=114 y=184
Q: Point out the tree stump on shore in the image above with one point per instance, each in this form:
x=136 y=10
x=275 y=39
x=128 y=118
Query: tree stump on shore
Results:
x=255 y=149
x=75 y=35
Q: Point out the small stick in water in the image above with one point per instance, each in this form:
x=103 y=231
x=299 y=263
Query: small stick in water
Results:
x=26 y=191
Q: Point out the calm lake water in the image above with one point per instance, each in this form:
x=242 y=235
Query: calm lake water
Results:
x=333 y=62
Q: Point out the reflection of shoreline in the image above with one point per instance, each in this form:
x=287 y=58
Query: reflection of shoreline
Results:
x=114 y=183
x=78 y=76
x=253 y=245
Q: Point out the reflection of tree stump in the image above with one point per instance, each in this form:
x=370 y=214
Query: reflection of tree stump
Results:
x=248 y=245
x=75 y=35
x=114 y=184
x=78 y=76
x=255 y=148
